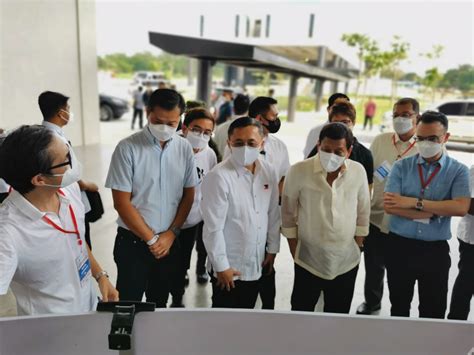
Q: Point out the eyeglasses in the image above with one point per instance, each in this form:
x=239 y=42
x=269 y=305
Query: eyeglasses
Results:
x=199 y=130
x=404 y=115
x=239 y=144
x=68 y=162
x=434 y=139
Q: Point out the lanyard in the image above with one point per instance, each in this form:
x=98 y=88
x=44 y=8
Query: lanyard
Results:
x=74 y=222
x=424 y=184
x=400 y=155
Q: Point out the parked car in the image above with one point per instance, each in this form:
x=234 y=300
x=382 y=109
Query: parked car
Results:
x=460 y=115
x=112 y=107
x=143 y=78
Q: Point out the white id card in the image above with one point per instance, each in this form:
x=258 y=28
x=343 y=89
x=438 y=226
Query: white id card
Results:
x=424 y=220
x=382 y=171
x=83 y=268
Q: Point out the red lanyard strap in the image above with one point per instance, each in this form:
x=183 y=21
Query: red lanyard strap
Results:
x=424 y=184
x=74 y=222
x=401 y=155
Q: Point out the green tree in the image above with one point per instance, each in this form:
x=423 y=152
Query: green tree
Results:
x=432 y=76
x=392 y=59
x=363 y=44
x=461 y=79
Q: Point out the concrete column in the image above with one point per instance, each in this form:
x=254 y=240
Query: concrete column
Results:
x=346 y=88
x=318 y=89
x=204 y=81
x=190 y=71
x=292 y=98
x=333 y=87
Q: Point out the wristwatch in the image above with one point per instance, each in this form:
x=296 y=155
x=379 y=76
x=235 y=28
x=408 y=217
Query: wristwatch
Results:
x=100 y=274
x=419 y=204
x=175 y=230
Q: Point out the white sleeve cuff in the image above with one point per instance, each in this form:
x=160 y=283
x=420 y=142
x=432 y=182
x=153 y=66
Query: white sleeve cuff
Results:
x=362 y=231
x=290 y=233
x=220 y=264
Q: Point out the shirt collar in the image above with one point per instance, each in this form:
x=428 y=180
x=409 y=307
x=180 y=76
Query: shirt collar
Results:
x=28 y=209
x=441 y=161
x=53 y=127
x=242 y=170
x=397 y=139
x=318 y=168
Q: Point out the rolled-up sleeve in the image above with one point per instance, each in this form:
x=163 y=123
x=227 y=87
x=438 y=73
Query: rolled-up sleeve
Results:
x=363 y=210
x=289 y=205
x=214 y=206
x=191 y=178
x=120 y=175
x=274 y=220
x=8 y=260
x=461 y=183
x=394 y=182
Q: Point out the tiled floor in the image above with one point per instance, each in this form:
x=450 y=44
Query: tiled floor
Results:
x=96 y=160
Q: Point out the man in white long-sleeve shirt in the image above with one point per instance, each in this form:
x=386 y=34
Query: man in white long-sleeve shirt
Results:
x=325 y=216
x=241 y=218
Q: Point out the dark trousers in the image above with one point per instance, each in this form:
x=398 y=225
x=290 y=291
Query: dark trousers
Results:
x=338 y=293
x=137 y=112
x=411 y=260
x=267 y=289
x=463 y=289
x=374 y=260
x=201 y=252
x=139 y=272
x=244 y=295
x=368 y=119
x=186 y=240
x=3 y=196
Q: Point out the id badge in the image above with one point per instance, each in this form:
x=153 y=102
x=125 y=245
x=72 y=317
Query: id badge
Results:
x=423 y=220
x=382 y=171
x=83 y=268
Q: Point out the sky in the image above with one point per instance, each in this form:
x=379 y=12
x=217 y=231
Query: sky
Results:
x=122 y=26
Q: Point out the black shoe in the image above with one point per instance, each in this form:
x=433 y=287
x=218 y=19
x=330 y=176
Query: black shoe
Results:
x=202 y=278
x=186 y=280
x=364 y=308
x=177 y=303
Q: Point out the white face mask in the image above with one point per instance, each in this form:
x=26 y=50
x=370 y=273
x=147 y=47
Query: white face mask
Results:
x=402 y=125
x=243 y=156
x=198 y=140
x=71 y=176
x=330 y=161
x=429 y=149
x=162 y=132
x=70 y=118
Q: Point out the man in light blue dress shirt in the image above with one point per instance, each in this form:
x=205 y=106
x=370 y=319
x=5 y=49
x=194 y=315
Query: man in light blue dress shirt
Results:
x=423 y=192
x=152 y=176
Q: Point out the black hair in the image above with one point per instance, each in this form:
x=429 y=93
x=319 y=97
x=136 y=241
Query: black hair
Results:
x=23 y=155
x=260 y=105
x=434 y=116
x=166 y=99
x=408 y=100
x=140 y=88
x=336 y=131
x=245 y=122
x=50 y=103
x=197 y=114
x=344 y=109
x=241 y=104
x=336 y=96
x=191 y=104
